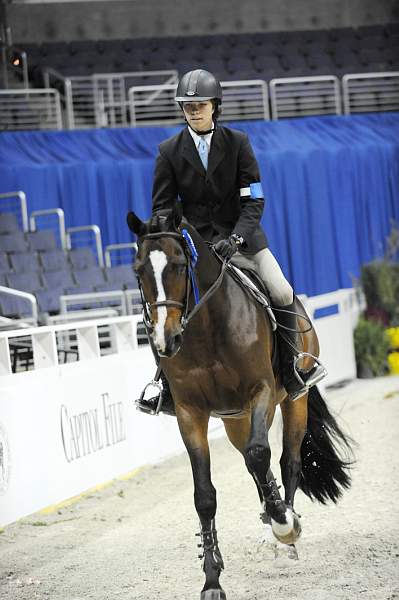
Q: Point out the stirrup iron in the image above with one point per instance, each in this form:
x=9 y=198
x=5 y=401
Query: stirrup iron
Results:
x=146 y=409
x=318 y=372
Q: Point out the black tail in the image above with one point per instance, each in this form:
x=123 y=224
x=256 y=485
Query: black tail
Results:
x=325 y=472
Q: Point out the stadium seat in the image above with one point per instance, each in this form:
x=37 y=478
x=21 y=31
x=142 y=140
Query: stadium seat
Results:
x=23 y=262
x=13 y=307
x=13 y=242
x=82 y=47
x=82 y=258
x=4 y=263
x=41 y=240
x=26 y=282
x=121 y=276
x=50 y=49
x=8 y=223
x=92 y=277
x=59 y=279
x=49 y=300
x=54 y=260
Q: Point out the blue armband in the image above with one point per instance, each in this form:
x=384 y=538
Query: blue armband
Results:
x=256 y=190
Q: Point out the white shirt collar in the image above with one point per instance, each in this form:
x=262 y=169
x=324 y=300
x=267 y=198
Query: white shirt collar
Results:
x=197 y=138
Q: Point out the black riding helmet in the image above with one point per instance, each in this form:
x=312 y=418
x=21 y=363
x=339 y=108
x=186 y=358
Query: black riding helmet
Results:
x=198 y=86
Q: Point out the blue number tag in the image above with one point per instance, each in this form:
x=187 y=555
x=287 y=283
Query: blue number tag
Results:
x=256 y=190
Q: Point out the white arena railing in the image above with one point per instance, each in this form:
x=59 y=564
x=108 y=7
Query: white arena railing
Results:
x=25 y=109
x=305 y=96
x=370 y=92
x=155 y=105
x=100 y=100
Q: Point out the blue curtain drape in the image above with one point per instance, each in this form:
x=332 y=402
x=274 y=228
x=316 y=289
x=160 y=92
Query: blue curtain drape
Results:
x=331 y=186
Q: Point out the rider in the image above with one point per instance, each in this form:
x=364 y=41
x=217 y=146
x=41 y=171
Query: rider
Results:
x=213 y=170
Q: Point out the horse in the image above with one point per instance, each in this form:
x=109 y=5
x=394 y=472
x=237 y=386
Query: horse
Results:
x=215 y=345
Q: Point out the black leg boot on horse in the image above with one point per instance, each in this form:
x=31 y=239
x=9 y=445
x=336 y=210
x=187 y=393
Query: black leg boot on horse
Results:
x=296 y=381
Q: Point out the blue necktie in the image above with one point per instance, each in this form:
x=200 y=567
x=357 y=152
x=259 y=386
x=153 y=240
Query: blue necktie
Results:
x=203 y=152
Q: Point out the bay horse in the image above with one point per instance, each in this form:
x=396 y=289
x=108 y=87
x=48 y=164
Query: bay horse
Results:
x=217 y=357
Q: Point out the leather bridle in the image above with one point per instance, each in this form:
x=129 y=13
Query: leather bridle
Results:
x=184 y=306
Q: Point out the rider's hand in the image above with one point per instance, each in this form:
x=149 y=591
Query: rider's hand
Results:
x=226 y=248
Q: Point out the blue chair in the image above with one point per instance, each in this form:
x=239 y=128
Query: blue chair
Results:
x=8 y=223
x=26 y=282
x=82 y=258
x=90 y=277
x=13 y=242
x=23 y=262
x=4 y=263
x=41 y=240
x=54 y=260
x=121 y=277
x=62 y=279
x=13 y=307
x=49 y=300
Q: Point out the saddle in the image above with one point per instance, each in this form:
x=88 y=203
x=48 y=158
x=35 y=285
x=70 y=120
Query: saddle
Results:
x=242 y=271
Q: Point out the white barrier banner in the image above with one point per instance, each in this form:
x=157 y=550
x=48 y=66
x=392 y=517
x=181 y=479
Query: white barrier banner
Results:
x=64 y=430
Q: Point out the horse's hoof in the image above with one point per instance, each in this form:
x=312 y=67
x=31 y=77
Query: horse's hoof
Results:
x=213 y=595
x=291 y=536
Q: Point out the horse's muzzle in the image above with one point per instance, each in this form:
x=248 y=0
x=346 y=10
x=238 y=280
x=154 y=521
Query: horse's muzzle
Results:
x=172 y=346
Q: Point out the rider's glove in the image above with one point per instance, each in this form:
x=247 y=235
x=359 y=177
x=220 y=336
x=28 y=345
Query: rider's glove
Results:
x=226 y=248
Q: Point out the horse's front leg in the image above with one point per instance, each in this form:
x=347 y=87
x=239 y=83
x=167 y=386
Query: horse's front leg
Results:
x=193 y=426
x=285 y=524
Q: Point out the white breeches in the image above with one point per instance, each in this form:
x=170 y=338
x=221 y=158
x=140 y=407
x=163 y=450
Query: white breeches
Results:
x=281 y=293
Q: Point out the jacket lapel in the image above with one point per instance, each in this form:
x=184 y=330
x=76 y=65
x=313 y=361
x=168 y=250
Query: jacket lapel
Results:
x=191 y=153
x=216 y=152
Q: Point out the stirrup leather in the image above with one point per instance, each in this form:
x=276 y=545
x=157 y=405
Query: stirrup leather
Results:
x=316 y=374
x=145 y=408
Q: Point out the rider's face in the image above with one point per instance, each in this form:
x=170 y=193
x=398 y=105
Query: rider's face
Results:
x=199 y=114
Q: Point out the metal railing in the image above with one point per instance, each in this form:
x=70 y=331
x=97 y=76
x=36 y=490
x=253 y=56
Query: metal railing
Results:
x=118 y=249
x=9 y=200
x=111 y=91
x=305 y=96
x=155 y=104
x=29 y=298
x=22 y=109
x=370 y=92
x=100 y=100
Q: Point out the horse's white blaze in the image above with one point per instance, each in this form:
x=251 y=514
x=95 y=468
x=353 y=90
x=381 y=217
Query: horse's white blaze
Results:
x=284 y=528
x=158 y=261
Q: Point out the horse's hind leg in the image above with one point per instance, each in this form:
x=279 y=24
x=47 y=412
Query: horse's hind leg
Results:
x=295 y=416
x=194 y=429
x=285 y=523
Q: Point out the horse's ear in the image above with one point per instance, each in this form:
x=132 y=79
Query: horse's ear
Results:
x=135 y=224
x=174 y=218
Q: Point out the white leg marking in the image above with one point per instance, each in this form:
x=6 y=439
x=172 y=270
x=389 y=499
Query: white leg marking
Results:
x=284 y=529
x=159 y=261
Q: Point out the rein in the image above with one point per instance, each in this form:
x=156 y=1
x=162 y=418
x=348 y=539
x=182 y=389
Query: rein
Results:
x=191 y=256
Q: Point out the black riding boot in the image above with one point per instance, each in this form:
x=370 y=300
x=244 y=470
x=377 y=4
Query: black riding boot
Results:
x=296 y=381
x=161 y=402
